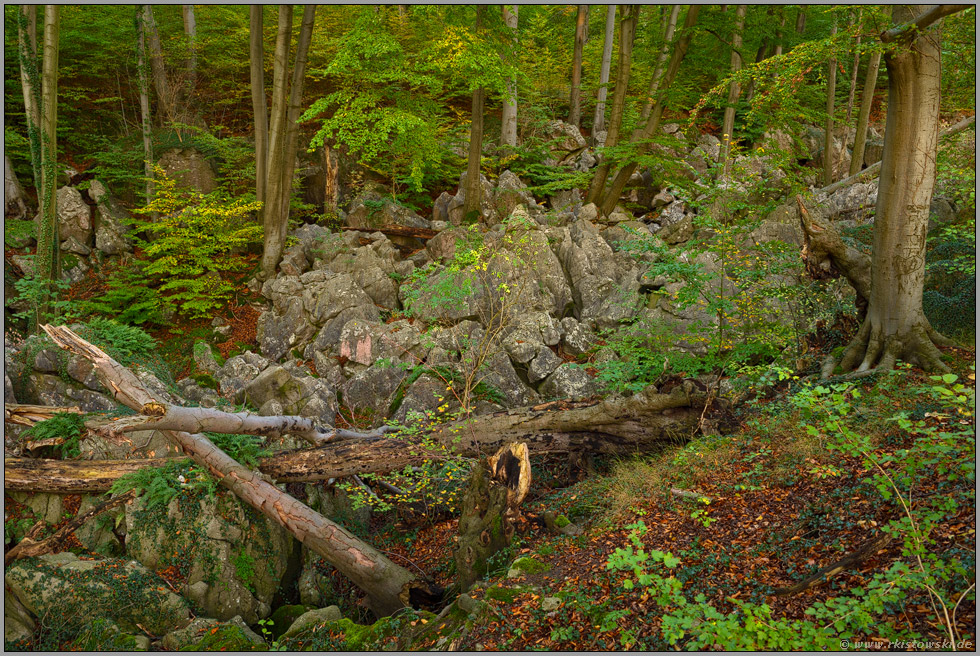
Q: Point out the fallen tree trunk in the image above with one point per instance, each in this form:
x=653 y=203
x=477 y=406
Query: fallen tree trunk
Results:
x=69 y=476
x=387 y=585
x=616 y=426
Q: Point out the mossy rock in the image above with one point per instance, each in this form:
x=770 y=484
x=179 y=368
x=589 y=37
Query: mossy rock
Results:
x=284 y=617
x=105 y=635
x=528 y=565
x=561 y=521
x=506 y=595
x=228 y=637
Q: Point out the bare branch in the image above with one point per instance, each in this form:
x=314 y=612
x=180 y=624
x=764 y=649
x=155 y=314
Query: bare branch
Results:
x=922 y=21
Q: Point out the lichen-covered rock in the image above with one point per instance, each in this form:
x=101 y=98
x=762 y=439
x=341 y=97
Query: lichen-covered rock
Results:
x=96 y=534
x=18 y=624
x=189 y=168
x=511 y=192
x=427 y=397
x=366 y=342
x=234 y=557
x=278 y=391
x=371 y=391
x=542 y=365
x=576 y=337
x=502 y=378
x=74 y=216
x=568 y=382
x=45 y=389
x=238 y=371
x=64 y=585
x=313 y=618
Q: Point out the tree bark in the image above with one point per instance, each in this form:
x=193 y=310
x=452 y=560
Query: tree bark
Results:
x=70 y=476
x=473 y=196
x=652 y=125
x=13 y=192
x=47 y=262
x=388 y=586
x=30 y=80
x=855 y=20
x=627 y=30
x=165 y=99
x=599 y=122
x=145 y=118
x=508 y=120
x=734 y=90
x=575 y=103
x=828 y=130
x=260 y=108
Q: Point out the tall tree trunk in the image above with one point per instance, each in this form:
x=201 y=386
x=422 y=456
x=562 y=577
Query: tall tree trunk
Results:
x=661 y=61
x=30 y=80
x=145 y=118
x=734 y=90
x=855 y=20
x=47 y=262
x=652 y=125
x=864 y=113
x=508 y=120
x=627 y=30
x=283 y=134
x=190 y=31
x=260 y=108
x=895 y=326
x=165 y=99
x=828 y=130
x=801 y=20
x=581 y=22
x=389 y=587
x=473 y=196
x=779 y=33
x=599 y=122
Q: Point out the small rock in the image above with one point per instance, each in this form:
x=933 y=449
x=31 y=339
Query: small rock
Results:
x=550 y=603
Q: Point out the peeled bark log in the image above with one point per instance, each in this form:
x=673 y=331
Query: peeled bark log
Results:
x=387 y=585
x=69 y=476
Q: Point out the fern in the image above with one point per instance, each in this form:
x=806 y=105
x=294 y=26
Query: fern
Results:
x=66 y=425
x=158 y=486
x=247 y=450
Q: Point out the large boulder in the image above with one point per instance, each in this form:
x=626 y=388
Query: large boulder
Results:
x=189 y=168
x=373 y=266
x=66 y=586
x=511 y=192
x=111 y=231
x=568 y=382
x=233 y=558
x=370 y=392
x=284 y=390
x=74 y=217
x=604 y=283
x=209 y=634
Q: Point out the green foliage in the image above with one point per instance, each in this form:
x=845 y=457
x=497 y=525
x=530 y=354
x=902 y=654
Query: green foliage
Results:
x=193 y=243
x=124 y=343
x=247 y=450
x=16 y=231
x=45 y=299
x=129 y=297
x=158 y=486
x=68 y=426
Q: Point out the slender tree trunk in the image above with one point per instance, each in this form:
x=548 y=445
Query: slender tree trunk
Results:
x=828 y=130
x=283 y=134
x=190 y=31
x=145 y=118
x=389 y=587
x=260 y=108
x=801 y=20
x=47 y=262
x=760 y=56
x=599 y=122
x=661 y=61
x=165 y=99
x=508 y=128
x=30 y=80
x=581 y=21
x=474 y=190
x=779 y=33
x=855 y=19
x=895 y=326
x=864 y=113
x=627 y=30
x=656 y=114
x=734 y=90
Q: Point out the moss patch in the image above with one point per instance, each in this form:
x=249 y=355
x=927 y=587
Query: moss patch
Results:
x=228 y=637
x=530 y=565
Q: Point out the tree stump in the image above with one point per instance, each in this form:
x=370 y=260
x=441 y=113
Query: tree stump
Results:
x=491 y=503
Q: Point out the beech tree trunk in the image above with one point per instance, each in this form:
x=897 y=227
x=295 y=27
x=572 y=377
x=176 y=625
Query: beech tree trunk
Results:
x=855 y=20
x=283 y=131
x=575 y=103
x=652 y=125
x=190 y=63
x=828 y=130
x=165 y=99
x=260 y=108
x=508 y=120
x=30 y=80
x=473 y=197
x=661 y=61
x=734 y=90
x=388 y=586
x=599 y=122
x=145 y=118
x=864 y=113
x=627 y=30
x=47 y=262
